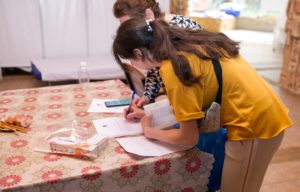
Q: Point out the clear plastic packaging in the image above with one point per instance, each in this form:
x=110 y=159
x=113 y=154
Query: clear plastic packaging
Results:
x=77 y=141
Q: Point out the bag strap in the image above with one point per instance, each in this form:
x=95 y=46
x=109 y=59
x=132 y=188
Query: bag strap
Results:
x=218 y=72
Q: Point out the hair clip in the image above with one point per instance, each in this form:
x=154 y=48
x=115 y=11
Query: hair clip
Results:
x=149 y=28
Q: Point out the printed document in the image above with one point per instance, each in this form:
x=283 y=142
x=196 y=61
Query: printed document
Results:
x=117 y=127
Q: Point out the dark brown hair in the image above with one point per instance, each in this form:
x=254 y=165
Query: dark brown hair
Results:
x=162 y=42
x=135 y=8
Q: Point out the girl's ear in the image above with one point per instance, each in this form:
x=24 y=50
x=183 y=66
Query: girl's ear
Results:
x=149 y=14
x=137 y=53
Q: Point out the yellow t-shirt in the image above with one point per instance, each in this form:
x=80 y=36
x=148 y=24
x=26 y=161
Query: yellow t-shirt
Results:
x=249 y=108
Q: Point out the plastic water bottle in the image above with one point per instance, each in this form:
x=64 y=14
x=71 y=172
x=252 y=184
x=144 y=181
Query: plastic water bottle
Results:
x=83 y=74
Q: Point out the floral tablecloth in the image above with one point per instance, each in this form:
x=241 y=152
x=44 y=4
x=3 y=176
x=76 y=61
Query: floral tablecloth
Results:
x=22 y=169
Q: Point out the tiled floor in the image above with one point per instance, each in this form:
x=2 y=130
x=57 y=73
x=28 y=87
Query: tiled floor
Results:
x=284 y=171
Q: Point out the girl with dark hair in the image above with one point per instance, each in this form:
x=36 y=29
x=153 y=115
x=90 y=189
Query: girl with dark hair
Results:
x=253 y=115
x=149 y=9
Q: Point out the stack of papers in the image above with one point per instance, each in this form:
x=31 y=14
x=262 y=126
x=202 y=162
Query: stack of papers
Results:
x=143 y=146
x=130 y=134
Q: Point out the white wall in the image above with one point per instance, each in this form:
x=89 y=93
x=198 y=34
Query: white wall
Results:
x=270 y=5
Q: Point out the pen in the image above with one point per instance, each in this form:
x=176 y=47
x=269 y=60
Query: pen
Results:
x=132 y=97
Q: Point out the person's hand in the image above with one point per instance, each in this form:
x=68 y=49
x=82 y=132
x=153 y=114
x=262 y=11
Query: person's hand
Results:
x=146 y=124
x=141 y=101
x=135 y=113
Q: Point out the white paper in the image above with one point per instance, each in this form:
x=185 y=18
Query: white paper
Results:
x=161 y=113
x=142 y=146
x=98 y=105
x=117 y=127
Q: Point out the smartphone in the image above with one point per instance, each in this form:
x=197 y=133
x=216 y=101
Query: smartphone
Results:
x=117 y=103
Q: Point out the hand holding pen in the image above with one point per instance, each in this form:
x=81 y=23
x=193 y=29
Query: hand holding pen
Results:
x=133 y=112
x=130 y=106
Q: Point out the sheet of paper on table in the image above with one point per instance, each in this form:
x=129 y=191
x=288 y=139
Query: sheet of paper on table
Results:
x=117 y=127
x=142 y=146
x=98 y=106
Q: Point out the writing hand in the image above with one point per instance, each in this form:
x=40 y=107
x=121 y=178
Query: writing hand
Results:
x=141 y=101
x=135 y=113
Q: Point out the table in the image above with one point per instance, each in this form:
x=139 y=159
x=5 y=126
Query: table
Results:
x=22 y=169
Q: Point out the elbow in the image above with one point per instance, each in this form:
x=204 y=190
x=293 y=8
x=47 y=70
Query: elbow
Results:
x=190 y=142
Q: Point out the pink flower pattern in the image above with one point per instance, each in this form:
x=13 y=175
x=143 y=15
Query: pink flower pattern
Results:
x=84 y=175
x=55 y=106
x=125 y=93
x=162 y=166
x=81 y=104
x=8 y=93
x=10 y=180
x=129 y=169
x=91 y=173
x=193 y=164
x=55 y=98
x=82 y=114
x=32 y=92
x=30 y=100
x=5 y=101
x=14 y=160
x=52 y=176
x=78 y=89
x=55 y=90
x=103 y=94
x=52 y=157
x=86 y=124
x=79 y=96
x=3 y=110
x=19 y=143
x=29 y=108
x=100 y=87
x=120 y=150
x=54 y=115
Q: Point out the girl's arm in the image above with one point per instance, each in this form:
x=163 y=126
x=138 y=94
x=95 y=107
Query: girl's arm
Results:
x=187 y=135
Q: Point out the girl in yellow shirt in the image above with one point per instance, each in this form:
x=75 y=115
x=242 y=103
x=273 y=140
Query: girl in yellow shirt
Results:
x=254 y=117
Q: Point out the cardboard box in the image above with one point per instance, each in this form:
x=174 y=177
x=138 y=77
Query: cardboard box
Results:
x=91 y=149
x=216 y=24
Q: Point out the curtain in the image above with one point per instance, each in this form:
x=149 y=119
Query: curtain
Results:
x=20 y=35
x=102 y=26
x=64 y=28
x=54 y=29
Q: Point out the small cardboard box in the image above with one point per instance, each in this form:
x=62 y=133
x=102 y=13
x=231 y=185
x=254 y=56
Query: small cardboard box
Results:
x=90 y=149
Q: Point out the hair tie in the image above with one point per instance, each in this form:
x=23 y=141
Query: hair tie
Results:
x=149 y=28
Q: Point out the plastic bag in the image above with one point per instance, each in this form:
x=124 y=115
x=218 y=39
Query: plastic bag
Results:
x=214 y=143
x=77 y=141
